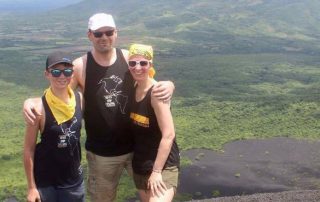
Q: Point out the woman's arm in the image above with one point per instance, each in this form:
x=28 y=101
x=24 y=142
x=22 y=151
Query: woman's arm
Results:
x=165 y=122
x=30 y=140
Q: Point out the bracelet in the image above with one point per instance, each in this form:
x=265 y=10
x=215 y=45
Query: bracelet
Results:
x=156 y=170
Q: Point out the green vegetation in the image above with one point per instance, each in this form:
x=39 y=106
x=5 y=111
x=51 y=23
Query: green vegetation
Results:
x=242 y=70
x=215 y=104
x=243 y=96
x=12 y=181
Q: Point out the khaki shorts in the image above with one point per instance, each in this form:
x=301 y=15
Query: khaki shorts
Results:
x=104 y=174
x=169 y=177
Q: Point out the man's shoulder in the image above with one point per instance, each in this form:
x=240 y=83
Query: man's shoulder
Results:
x=125 y=53
x=80 y=61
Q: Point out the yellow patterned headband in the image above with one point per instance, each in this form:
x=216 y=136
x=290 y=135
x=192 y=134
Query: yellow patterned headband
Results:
x=140 y=49
x=144 y=50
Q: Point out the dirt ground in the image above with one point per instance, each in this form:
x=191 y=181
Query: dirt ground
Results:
x=248 y=167
x=287 y=196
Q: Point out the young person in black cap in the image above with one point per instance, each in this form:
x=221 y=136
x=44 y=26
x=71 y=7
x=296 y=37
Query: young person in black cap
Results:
x=103 y=77
x=52 y=166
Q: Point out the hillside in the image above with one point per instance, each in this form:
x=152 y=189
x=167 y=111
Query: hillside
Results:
x=243 y=69
x=175 y=29
x=192 y=27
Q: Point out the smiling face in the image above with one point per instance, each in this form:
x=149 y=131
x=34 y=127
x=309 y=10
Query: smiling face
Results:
x=139 y=67
x=59 y=75
x=103 y=39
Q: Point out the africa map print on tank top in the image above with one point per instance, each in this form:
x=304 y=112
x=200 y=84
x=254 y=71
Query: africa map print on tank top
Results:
x=114 y=96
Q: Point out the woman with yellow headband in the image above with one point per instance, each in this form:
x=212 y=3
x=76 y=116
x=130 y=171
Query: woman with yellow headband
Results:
x=156 y=155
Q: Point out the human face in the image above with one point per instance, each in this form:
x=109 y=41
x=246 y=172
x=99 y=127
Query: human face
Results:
x=139 y=67
x=103 y=39
x=59 y=75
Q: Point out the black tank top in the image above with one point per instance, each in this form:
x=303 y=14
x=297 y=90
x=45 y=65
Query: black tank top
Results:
x=58 y=154
x=147 y=137
x=107 y=93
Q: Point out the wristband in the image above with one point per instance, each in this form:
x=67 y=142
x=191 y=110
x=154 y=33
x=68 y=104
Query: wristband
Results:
x=156 y=170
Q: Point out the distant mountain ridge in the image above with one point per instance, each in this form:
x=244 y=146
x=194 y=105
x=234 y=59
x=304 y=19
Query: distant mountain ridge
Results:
x=33 y=5
x=218 y=26
x=188 y=27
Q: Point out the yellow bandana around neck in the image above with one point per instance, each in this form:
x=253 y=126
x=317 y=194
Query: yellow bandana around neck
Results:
x=61 y=111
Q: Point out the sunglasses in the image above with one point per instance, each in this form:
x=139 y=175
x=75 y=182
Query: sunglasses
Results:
x=107 y=33
x=133 y=63
x=57 y=72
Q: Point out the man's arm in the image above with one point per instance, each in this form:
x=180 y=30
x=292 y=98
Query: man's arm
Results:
x=163 y=90
x=79 y=76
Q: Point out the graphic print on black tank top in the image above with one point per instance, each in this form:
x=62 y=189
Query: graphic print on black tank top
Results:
x=113 y=94
x=68 y=136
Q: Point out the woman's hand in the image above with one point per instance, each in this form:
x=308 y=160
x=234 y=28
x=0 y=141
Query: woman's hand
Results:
x=156 y=185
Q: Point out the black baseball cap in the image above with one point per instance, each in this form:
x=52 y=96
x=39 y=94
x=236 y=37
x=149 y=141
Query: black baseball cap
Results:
x=58 y=57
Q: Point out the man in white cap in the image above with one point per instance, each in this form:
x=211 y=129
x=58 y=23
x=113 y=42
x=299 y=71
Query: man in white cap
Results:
x=102 y=75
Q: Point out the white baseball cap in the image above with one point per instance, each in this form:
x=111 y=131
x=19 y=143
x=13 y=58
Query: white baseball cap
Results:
x=99 y=20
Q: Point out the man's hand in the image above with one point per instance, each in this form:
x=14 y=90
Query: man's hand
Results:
x=163 y=90
x=29 y=111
